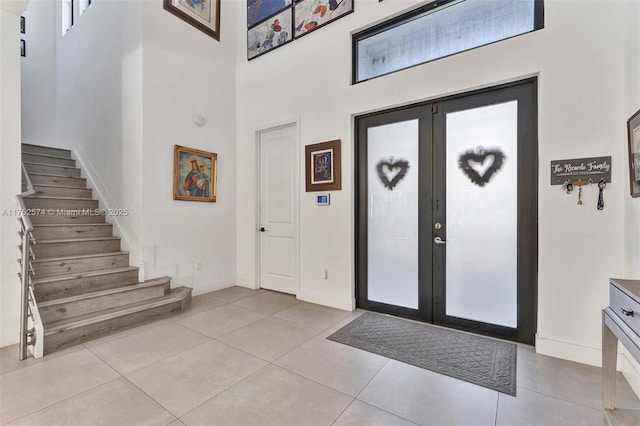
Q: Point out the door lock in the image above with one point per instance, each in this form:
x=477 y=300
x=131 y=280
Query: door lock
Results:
x=438 y=225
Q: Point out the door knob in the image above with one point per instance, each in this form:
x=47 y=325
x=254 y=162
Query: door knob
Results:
x=262 y=229
x=439 y=240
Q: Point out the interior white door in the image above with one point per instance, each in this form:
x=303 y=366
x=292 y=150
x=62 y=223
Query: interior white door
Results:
x=279 y=185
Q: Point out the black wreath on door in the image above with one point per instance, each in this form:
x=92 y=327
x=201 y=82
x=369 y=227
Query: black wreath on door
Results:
x=386 y=169
x=479 y=156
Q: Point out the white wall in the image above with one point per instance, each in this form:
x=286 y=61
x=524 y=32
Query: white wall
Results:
x=630 y=368
x=187 y=73
x=99 y=100
x=10 y=174
x=581 y=114
x=39 y=73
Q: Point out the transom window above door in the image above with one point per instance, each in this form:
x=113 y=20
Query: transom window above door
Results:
x=440 y=29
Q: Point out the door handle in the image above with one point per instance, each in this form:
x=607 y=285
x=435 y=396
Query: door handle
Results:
x=439 y=240
x=262 y=229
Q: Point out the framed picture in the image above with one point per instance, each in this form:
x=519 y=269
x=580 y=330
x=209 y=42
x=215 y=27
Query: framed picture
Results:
x=270 y=34
x=323 y=167
x=633 y=130
x=259 y=10
x=23 y=48
x=313 y=14
x=22 y=25
x=202 y=14
x=194 y=174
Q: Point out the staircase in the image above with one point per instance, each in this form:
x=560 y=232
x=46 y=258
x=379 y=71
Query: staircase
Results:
x=82 y=281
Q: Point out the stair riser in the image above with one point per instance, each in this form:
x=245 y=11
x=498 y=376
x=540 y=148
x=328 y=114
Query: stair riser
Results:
x=95 y=304
x=45 y=203
x=75 y=248
x=66 y=232
x=58 y=180
x=78 y=266
x=61 y=218
x=79 y=335
x=54 y=170
x=31 y=149
x=53 y=191
x=76 y=286
x=34 y=158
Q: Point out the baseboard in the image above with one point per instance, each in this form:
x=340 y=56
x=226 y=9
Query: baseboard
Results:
x=213 y=286
x=631 y=371
x=569 y=351
x=247 y=282
x=326 y=300
x=130 y=240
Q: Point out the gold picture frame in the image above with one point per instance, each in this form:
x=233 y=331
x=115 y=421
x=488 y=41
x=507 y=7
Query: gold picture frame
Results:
x=195 y=173
x=323 y=168
x=202 y=14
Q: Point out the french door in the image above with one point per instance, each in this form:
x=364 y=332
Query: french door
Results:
x=446 y=211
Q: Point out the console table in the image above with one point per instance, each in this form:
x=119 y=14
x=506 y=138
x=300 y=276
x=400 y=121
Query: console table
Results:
x=620 y=322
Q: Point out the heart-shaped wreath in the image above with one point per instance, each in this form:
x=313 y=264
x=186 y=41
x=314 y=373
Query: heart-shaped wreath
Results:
x=479 y=156
x=386 y=168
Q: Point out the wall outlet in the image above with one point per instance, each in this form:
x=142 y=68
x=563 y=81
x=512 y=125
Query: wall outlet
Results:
x=326 y=274
x=198 y=266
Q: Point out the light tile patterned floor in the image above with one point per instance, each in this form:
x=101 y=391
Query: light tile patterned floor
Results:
x=245 y=357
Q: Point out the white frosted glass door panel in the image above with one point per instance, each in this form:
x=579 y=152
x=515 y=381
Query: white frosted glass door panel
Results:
x=481 y=221
x=393 y=214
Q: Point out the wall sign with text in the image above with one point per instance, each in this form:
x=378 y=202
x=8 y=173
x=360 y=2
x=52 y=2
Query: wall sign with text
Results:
x=593 y=169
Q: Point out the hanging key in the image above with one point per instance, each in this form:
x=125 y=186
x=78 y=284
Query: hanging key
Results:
x=601 y=186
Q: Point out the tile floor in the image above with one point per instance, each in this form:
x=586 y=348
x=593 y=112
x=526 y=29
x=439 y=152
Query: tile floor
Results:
x=253 y=357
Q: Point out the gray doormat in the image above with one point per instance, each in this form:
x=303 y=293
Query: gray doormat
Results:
x=475 y=359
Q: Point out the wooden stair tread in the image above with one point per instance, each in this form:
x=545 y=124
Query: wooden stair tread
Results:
x=33 y=163
x=76 y=240
x=131 y=287
x=176 y=294
x=53 y=225
x=56 y=278
x=79 y=256
x=49 y=197
x=53 y=175
x=47 y=155
x=46 y=147
x=47 y=185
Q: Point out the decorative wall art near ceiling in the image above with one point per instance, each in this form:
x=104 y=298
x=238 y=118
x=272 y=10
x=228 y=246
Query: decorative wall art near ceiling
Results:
x=274 y=23
x=202 y=14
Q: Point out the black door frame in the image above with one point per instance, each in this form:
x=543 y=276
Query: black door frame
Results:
x=431 y=197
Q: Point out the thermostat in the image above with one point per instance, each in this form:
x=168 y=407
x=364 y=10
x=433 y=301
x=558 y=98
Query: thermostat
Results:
x=322 y=200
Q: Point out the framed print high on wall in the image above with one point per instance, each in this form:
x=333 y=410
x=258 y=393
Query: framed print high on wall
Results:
x=202 y=14
x=313 y=14
x=323 y=166
x=194 y=174
x=633 y=131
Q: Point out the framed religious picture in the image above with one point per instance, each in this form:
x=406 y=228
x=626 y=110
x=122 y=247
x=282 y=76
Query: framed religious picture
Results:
x=323 y=167
x=633 y=131
x=194 y=174
x=202 y=14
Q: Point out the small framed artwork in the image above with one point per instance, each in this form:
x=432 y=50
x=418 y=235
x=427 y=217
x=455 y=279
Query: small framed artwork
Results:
x=22 y=25
x=323 y=167
x=259 y=10
x=194 y=174
x=270 y=34
x=202 y=14
x=23 y=48
x=313 y=14
x=633 y=131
